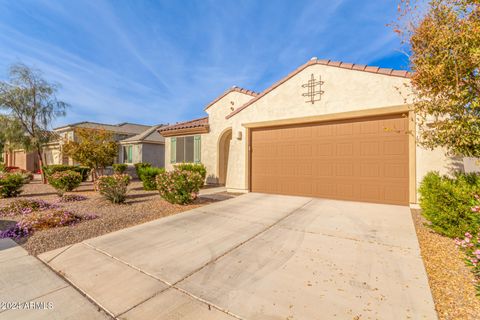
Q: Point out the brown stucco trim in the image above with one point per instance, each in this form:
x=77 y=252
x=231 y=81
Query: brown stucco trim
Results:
x=412 y=152
x=233 y=89
x=337 y=64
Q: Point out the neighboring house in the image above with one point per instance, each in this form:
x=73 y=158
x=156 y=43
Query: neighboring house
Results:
x=142 y=142
x=137 y=143
x=27 y=160
x=328 y=129
x=21 y=159
x=148 y=146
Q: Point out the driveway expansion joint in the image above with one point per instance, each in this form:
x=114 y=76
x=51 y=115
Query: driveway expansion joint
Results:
x=51 y=259
x=77 y=288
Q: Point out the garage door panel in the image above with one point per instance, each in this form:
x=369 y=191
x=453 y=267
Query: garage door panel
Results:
x=361 y=160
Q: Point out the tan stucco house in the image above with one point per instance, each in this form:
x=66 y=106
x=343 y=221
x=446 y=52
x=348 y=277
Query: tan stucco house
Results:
x=328 y=129
x=137 y=142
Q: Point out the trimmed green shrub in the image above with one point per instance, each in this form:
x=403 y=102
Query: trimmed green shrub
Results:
x=65 y=181
x=27 y=175
x=51 y=169
x=148 y=176
x=179 y=186
x=11 y=184
x=119 y=168
x=139 y=166
x=114 y=188
x=193 y=167
x=447 y=203
x=2 y=167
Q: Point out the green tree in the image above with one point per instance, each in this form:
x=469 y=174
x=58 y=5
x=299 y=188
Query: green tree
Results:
x=32 y=101
x=444 y=40
x=12 y=135
x=92 y=148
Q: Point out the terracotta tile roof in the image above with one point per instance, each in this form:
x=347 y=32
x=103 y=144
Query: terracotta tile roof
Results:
x=196 y=123
x=232 y=89
x=338 y=64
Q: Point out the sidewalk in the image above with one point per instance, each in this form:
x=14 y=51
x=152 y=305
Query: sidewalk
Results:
x=30 y=290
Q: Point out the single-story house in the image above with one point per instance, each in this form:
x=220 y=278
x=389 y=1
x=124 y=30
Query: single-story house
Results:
x=328 y=129
x=137 y=143
x=148 y=146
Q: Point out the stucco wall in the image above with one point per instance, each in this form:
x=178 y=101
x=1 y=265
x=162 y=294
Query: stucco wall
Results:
x=218 y=125
x=154 y=154
x=344 y=91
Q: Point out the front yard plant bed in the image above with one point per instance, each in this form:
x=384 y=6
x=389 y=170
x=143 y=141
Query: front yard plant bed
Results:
x=140 y=206
x=451 y=280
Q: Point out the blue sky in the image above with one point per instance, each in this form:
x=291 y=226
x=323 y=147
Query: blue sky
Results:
x=163 y=61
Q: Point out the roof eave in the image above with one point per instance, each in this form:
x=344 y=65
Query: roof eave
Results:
x=185 y=131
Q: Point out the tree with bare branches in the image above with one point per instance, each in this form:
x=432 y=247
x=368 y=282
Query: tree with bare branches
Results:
x=31 y=100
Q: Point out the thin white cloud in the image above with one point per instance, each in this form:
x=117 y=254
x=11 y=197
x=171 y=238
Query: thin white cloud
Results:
x=117 y=61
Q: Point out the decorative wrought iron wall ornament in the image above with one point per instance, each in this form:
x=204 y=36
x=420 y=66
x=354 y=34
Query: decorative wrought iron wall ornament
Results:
x=314 y=89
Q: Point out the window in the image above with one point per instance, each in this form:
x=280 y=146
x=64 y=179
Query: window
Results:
x=185 y=149
x=127 y=154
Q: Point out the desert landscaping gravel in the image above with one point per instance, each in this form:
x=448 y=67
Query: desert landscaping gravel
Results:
x=450 y=280
x=141 y=206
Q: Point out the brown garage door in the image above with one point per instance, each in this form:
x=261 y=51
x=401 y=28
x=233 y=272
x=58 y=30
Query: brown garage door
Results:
x=359 y=160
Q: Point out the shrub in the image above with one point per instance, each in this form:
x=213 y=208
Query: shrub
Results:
x=471 y=247
x=23 y=206
x=139 y=166
x=51 y=169
x=11 y=184
x=119 y=168
x=179 y=186
x=447 y=203
x=41 y=220
x=2 y=167
x=64 y=181
x=149 y=175
x=193 y=167
x=114 y=188
x=27 y=175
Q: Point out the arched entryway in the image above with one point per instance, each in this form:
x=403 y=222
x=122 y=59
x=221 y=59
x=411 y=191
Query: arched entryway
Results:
x=223 y=150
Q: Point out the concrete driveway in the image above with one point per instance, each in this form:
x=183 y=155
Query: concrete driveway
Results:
x=257 y=256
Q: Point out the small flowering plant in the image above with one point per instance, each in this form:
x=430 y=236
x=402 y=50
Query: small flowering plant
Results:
x=476 y=204
x=470 y=245
x=24 y=207
x=179 y=186
x=114 y=188
x=42 y=220
x=64 y=181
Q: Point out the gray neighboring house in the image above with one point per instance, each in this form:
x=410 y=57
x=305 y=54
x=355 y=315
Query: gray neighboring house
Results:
x=137 y=143
x=148 y=146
